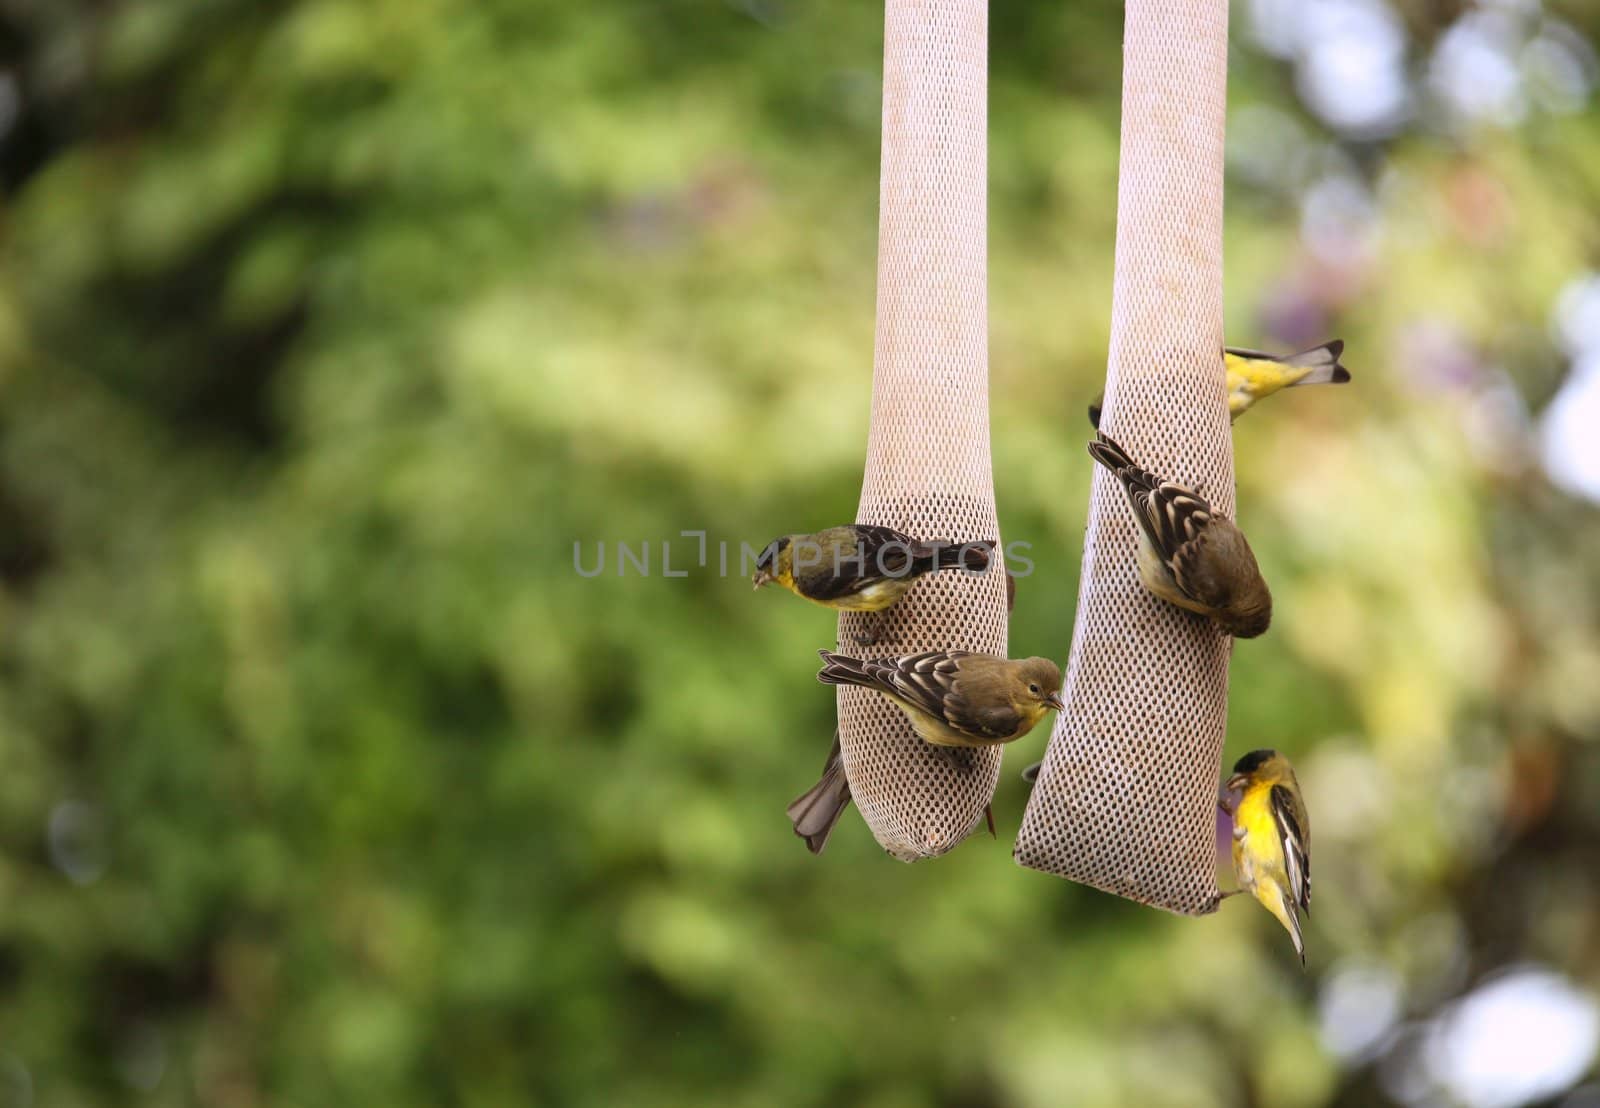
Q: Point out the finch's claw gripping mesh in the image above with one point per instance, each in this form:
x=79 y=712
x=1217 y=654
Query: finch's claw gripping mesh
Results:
x=1126 y=799
x=928 y=472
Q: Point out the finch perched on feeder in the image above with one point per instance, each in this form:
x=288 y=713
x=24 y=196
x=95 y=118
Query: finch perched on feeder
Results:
x=956 y=697
x=1188 y=554
x=860 y=568
x=1271 y=838
x=1253 y=375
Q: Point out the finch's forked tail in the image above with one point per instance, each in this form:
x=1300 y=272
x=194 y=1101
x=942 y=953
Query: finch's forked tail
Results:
x=1294 y=933
x=972 y=556
x=1322 y=361
x=1284 y=910
x=841 y=669
x=815 y=811
x=1105 y=450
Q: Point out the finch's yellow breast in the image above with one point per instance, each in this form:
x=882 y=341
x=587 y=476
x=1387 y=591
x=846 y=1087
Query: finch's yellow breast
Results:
x=1254 y=814
x=1250 y=379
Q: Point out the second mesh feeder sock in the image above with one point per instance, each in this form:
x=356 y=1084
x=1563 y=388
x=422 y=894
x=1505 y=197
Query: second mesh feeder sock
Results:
x=1126 y=799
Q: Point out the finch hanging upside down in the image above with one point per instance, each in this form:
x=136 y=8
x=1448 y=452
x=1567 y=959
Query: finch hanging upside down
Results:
x=1271 y=838
x=1253 y=375
x=956 y=697
x=1189 y=555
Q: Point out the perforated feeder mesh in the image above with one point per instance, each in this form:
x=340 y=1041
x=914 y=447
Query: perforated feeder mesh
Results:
x=928 y=471
x=1126 y=798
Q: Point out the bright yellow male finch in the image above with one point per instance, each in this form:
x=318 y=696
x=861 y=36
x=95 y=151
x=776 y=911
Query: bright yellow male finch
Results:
x=1271 y=838
x=1190 y=555
x=858 y=567
x=956 y=697
x=1253 y=375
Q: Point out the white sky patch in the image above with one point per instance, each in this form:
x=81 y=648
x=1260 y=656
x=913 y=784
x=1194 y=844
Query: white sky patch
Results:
x=1577 y=316
x=1571 y=448
x=1474 y=68
x=1350 y=57
x=1518 y=1038
x=1357 y=1009
x=1352 y=71
x=1275 y=25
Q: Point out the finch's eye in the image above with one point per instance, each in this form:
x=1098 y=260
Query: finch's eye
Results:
x=1034 y=689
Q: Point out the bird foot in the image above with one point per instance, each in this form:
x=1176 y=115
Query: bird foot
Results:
x=875 y=635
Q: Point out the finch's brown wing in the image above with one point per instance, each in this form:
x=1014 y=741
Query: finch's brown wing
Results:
x=852 y=559
x=1176 y=515
x=925 y=681
x=996 y=723
x=892 y=553
x=1293 y=834
x=933 y=682
x=887 y=552
x=1138 y=483
x=1216 y=567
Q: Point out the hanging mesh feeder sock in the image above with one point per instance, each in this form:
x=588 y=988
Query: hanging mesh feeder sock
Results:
x=928 y=471
x=1126 y=798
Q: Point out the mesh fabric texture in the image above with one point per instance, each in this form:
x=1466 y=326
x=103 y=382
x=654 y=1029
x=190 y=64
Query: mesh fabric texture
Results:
x=1126 y=799
x=928 y=469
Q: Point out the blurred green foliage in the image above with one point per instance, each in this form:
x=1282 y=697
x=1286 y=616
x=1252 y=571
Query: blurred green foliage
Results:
x=327 y=328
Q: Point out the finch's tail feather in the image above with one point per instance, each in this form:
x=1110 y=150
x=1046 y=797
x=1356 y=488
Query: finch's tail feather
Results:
x=1291 y=922
x=815 y=811
x=1105 y=450
x=1322 y=361
x=841 y=669
x=971 y=556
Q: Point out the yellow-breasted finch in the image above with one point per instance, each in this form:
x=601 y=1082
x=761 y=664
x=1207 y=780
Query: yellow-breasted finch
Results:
x=1253 y=375
x=1271 y=837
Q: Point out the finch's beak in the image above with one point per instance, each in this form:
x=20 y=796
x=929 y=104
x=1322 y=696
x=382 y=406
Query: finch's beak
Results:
x=1054 y=701
x=761 y=578
x=1229 y=795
